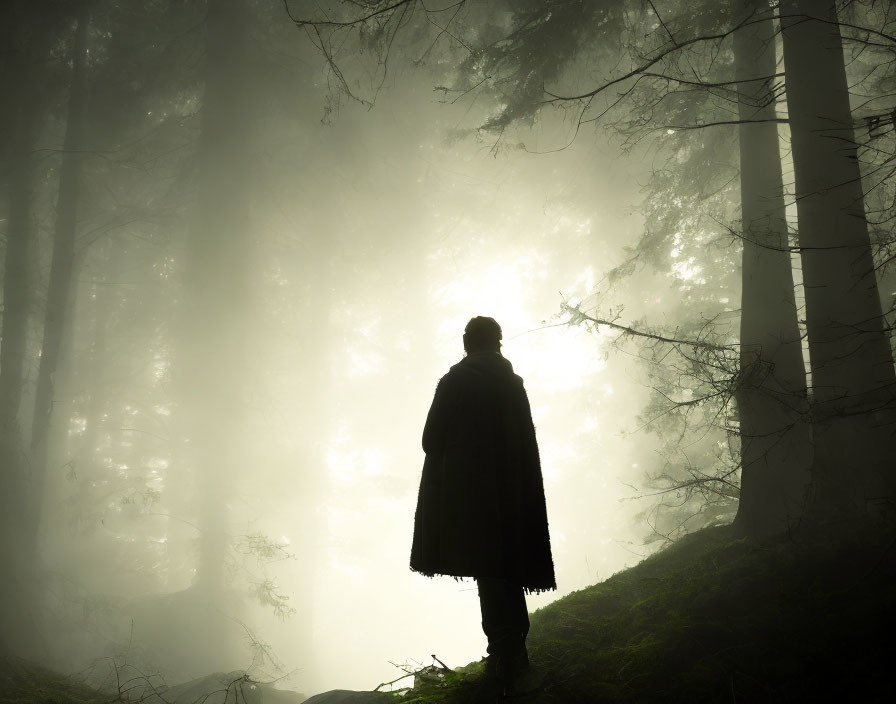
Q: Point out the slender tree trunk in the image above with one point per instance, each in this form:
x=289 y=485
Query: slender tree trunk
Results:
x=85 y=452
x=15 y=603
x=61 y=271
x=85 y=375
x=851 y=360
x=16 y=291
x=771 y=396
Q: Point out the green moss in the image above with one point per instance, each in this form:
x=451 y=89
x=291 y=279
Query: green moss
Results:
x=715 y=618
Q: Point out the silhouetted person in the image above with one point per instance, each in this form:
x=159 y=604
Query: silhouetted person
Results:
x=481 y=508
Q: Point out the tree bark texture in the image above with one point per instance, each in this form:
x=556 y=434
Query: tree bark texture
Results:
x=851 y=361
x=771 y=395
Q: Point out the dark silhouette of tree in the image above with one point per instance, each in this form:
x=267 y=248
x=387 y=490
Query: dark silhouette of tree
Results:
x=849 y=350
x=771 y=390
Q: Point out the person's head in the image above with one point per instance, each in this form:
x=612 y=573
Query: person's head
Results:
x=482 y=335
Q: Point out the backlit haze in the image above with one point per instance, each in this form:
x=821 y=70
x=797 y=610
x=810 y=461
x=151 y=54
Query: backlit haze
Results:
x=375 y=239
x=503 y=237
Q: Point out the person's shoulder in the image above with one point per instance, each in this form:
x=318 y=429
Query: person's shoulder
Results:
x=517 y=381
x=454 y=373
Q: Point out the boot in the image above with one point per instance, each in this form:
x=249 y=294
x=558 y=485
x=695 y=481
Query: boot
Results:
x=511 y=663
x=500 y=667
x=525 y=678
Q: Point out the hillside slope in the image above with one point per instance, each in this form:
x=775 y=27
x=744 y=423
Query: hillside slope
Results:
x=807 y=617
x=23 y=682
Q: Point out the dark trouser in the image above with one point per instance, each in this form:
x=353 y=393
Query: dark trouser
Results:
x=505 y=619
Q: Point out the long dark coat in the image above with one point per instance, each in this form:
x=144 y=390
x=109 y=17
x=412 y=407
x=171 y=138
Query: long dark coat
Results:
x=481 y=508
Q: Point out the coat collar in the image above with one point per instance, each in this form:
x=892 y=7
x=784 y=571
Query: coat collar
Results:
x=486 y=363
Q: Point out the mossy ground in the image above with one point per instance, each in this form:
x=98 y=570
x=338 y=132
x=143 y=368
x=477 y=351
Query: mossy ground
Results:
x=23 y=682
x=805 y=617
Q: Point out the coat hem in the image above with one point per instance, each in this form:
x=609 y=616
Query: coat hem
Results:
x=462 y=577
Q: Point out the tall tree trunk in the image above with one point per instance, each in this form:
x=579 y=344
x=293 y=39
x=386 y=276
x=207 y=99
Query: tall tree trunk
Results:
x=210 y=369
x=15 y=604
x=851 y=361
x=213 y=363
x=771 y=396
x=85 y=452
x=61 y=270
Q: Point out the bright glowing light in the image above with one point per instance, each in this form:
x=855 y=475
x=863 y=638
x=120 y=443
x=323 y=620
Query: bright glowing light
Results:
x=364 y=363
x=347 y=570
x=503 y=290
x=374 y=461
x=687 y=270
x=364 y=358
x=558 y=359
x=500 y=290
x=584 y=283
x=339 y=457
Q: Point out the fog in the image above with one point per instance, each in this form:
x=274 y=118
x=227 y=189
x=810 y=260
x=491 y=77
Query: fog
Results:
x=256 y=400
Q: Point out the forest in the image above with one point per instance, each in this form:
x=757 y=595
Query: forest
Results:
x=240 y=243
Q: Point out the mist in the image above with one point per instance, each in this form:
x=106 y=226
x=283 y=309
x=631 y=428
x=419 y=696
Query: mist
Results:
x=242 y=264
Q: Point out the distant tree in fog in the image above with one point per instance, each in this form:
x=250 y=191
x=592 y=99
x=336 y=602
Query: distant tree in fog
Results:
x=87 y=335
x=60 y=70
x=209 y=365
x=62 y=267
x=27 y=36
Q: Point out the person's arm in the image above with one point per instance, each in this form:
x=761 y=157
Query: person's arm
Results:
x=436 y=428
